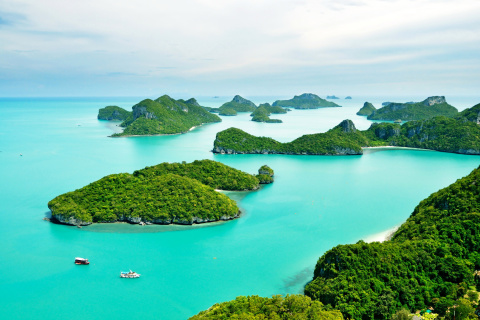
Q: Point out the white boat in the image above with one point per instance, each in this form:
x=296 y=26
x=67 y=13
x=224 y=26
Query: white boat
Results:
x=129 y=274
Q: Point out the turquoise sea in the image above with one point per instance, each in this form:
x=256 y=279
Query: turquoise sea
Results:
x=49 y=146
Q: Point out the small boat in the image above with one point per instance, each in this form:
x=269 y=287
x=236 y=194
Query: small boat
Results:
x=81 y=261
x=129 y=274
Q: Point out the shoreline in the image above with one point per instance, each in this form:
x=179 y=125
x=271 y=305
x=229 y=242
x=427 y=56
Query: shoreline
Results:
x=394 y=148
x=381 y=236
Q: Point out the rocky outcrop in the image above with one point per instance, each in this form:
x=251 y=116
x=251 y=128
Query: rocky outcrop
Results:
x=69 y=221
x=430 y=101
x=140 y=110
x=338 y=151
x=347 y=126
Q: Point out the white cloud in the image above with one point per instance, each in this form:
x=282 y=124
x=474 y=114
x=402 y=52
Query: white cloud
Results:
x=230 y=39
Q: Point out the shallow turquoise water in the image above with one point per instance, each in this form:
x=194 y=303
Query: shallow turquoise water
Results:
x=51 y=146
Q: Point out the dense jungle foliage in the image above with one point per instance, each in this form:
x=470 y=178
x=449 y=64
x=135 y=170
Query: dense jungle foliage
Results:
x=273 y=109
x=415 y=111
x=261 y=114
x=212 y=173
x=470 y=114
x=113 y=113
x=165 y=116
x=456 y=135
x=305 y=101
x=167 y=198
x=238 y=104
x=366 y=110
x=291 y=307
x=227 y=111
x=343 y=139
x=430 y=261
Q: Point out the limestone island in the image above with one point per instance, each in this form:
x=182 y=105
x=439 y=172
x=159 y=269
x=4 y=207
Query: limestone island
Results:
x=305 y=101
x=262 y=113
x=348 y=98
x=238 y=104
x=367 y=109
x=178 y=193
x=161 y=116
x=426 y=109
x=460 y=134
x=333 y=97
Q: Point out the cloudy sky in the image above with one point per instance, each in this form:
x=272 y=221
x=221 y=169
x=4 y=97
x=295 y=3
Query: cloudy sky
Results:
x=251 y=47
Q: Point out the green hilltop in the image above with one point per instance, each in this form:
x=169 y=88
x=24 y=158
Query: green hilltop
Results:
x=431 y=261
x=262 y=114
x=239 y=104
x=305 y=101
x=180 y=193
x=367 y=109
x=161 y=116
x=455 y=135
x=428 y=108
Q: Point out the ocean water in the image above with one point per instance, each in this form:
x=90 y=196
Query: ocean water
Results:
x=49 y=146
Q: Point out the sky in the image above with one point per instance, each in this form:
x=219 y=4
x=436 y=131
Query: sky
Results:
x=249 y=47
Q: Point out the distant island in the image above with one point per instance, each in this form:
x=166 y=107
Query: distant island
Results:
x=456 y=135
x=332 y=97
x=238 y=104
x=348 y=97
x=161 y=116
x=428 y=108
x=179 y=193
x=262 y=113
x=305 y=101
x=366 y=110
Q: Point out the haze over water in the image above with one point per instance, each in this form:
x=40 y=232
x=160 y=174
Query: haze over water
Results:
x=52 y=146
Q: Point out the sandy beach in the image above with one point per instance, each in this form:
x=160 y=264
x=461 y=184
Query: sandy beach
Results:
x=381 y=236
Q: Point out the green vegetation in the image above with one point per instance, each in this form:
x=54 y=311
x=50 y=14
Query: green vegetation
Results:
x=113 y=113
x=439 y=133
x=227 y=111
x=305 y=101
x=238 y=104
x=180 y=193
x=212 y=173
x=471 y=114
x=261 y=114
x=164 y=199
x=429 y=108
x=161 y=116
x=276 y=308
x=265 y=174
x=343 y=139
x=367 y=109
x=430 y=261
x=273 y=109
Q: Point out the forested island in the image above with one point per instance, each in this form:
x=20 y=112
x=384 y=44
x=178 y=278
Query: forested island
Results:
x=367 y=109
x=238 y=104
x=161 y=116
x=432 y=261
x=305 y=101
x=426 y=109
x=180 y=193
x=262 y=113
x=276 y=308
x=457 y=135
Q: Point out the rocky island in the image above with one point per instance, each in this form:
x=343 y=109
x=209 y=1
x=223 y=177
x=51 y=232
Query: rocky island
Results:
x=305 y=101
x=161 y=116
x=428 y=108
x=432 y=260
x=456 y=135
x=262 y=113
x=179 y=193
x=238 y=104
x=344 y=139
x=366 y=110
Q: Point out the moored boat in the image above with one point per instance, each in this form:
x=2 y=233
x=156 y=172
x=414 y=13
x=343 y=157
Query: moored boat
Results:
x=81 y=261
x=129 y=274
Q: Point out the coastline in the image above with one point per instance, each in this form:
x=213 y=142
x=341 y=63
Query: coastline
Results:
x=394 y=148
x=381 y=236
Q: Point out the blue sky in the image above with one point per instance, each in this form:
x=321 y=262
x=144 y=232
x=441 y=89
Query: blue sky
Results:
x=251 y=47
